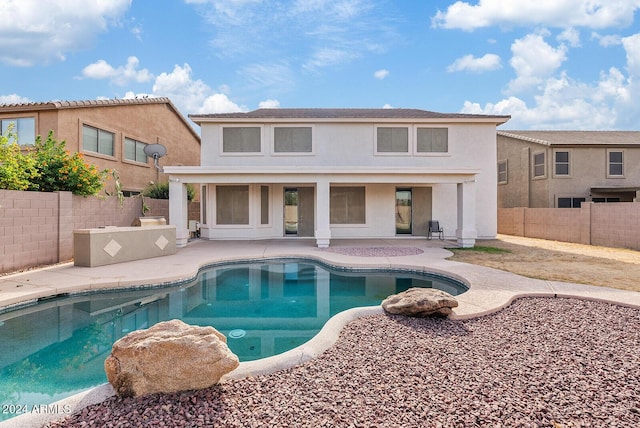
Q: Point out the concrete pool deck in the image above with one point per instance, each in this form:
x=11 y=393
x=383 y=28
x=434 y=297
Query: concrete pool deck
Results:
x=490 y=289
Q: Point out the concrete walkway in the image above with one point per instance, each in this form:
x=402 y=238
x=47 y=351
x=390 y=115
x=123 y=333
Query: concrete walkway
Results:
x=490 y=289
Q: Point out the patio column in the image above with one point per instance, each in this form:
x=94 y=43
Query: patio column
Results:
x=466 y=232
x=323 y=229
x=178 y=216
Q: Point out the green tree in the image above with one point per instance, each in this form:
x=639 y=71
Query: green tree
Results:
x=17 y=170
x=161 y=191
x=60 y=170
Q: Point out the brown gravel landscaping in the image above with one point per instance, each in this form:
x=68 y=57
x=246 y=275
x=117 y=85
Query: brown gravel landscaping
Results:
x=540 y=362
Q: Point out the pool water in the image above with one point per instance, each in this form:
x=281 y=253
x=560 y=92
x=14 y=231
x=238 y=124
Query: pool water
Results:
x=57 y=347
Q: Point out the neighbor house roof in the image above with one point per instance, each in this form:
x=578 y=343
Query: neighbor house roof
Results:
x=342 y=114
x=576 y=138
x=60 y=105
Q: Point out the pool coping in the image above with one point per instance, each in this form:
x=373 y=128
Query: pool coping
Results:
x=490 y=290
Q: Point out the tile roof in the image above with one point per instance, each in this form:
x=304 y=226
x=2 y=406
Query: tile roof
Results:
x=59 y=105
x=576 y=138
x=51 y=105
x=343 y=113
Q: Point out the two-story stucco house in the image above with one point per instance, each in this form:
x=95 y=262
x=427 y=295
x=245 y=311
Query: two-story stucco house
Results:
x=562 y=169
x=111 y=134
x=341 y=173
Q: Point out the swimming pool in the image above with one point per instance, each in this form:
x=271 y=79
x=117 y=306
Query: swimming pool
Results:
x=57 y=347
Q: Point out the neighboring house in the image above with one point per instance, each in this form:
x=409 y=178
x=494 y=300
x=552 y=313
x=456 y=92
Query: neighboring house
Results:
x=562 y=169
x=111 y=134
x=341 y=173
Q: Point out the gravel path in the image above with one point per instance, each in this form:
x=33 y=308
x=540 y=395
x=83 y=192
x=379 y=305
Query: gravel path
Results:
x=538 y=363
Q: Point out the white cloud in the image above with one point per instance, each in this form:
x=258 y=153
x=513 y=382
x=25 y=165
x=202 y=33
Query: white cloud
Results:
x=276 y=77
x=533 y=60
x=36 y=31
x=381 y=74
x=387 y=106
x=13 y=99
x=608 y=40
x=552 y=13
x=571 y=36
x=488 y=62
x=632 y=47
x=269 y=104
x=192 y=96
x=119 y=76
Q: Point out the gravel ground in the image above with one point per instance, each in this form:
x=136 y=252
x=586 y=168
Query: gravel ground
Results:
x=538 y=363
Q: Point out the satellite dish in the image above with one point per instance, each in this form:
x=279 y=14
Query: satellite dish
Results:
x=156 y=151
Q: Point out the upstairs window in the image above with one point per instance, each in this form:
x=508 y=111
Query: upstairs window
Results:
x=24 y=128
x=539 y=165
x=502 y=172
x=97 y=140
x=292 y=139
x=561 y=163
x=433 y=140
x=241 y=139
x=134 y=150
x=392 y=140
x=616 y=163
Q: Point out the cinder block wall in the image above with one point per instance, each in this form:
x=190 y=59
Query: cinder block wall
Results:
x=36 y=228
x=609 y=225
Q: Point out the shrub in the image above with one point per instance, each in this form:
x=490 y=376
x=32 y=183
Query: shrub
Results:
x=161 y=191
x=17 y=169
x=60 y=170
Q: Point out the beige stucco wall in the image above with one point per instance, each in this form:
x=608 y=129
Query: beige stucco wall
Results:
x=609 y=225
x=36 y=228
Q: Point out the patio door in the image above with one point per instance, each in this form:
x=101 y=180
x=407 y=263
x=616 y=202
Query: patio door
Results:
x=403 y=211
x=299 y=211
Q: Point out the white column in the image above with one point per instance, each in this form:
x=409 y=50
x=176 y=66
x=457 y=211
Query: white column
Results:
x=466 y=233
x=323 y=229
x=178 y=211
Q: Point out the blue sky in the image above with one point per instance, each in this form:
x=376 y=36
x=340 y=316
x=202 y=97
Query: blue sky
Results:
x=550 y=64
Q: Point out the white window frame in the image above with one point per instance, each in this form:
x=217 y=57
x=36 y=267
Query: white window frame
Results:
x=410 y=133
x=431 y=154
x=243 y=125
x=533 y=165
x=296 y=125
x=16 y=130
x=555 y=163
x=609 y=151
x=506 y=171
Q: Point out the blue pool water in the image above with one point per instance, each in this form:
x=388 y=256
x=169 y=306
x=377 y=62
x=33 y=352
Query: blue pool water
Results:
x=57 y=347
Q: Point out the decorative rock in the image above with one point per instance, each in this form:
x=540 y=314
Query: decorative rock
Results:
x=171 y=356
x=420 y=302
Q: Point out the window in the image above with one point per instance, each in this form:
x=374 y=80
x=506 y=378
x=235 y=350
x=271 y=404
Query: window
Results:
x=292 y=139
x=570 y=202
x=232 y=204
x=538 y=165
x=97 y=140
x=241 y=140
x=347 y=205
x=562 y=163
x=605 y=200
x=392 y=140
x=616 y=163
x=134 y=150
x=433 y=140
x=23 y=127
x=264 y=204
x=502 y=172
